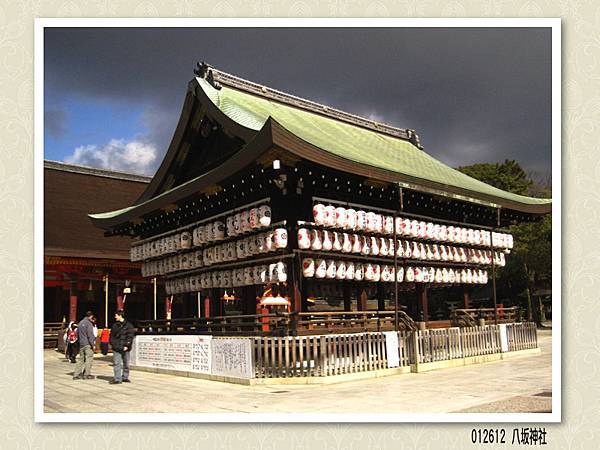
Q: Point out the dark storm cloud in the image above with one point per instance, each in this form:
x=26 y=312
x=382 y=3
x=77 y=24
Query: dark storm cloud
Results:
x=473 y=95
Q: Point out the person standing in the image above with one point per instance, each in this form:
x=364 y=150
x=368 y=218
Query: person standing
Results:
x=121 y=340
x=87 y=342
x=104 y=340
x=72 y=343
x=66 y=340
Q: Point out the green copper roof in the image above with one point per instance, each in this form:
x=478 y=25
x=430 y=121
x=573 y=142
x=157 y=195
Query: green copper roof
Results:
x=349 y=141
x=344 y=140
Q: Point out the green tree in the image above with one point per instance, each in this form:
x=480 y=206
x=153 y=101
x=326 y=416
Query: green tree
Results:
x=508 y=176
x=529 y=266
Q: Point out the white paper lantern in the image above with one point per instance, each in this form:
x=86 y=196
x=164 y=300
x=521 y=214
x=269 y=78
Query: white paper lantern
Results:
x=416 y=251
x=378 y=223
x=253 y=218
x=414 y=228
x=317 y=240
x=388 y=225
x=443 y=233
x=331 y=269
x=399 y=249
x=281 y=272
x=320 y=268
x=400 y=274
x=429 y=230
x=218 y=230
x=329 y=216
x=308 y=267
x=361 y=220
x=407 y=250
x=369 y=272
x=229 y=226
x=399 y=226
x=264 y=215
x=422 y=231
x=365 y=245
x=359 y=272
x=303 y=238
x=327 y=241
x=374 y=246
x=341 y=270
x=319 y=214
x=356 y=244
x=351 y=219
x=346 y=243
x=407 y=227
x=337 y=242
x=341 y=217
x=350 y=271
x=451 y=276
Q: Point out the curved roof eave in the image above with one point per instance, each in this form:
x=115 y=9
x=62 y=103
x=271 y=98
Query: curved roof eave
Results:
x=261 y=143
x=260 y=139
x=346 y=145
x=195 y=98
x=287 y=140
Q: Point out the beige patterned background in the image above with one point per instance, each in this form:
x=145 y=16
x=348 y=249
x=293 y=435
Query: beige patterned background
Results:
x=581 y=319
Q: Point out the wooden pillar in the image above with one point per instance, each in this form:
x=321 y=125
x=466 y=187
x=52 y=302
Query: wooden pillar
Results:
x=362 y=300
x=207 y=306
x=466 y=297
x=422 y=296
x=73 y=300
x=347 y=299
x=248 y=300
x=120 y=303
x=72 y=307
x=380 y=297
x=57 y=304
x=168 y=308
x=220 y=304
x=296 y=298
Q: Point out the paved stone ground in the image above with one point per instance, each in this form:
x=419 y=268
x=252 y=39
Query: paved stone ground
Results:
x=521 y=384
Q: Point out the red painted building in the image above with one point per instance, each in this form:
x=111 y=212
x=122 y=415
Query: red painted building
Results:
x=79 y=262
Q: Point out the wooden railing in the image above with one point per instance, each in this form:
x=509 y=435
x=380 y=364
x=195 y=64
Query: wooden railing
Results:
x=238 y=325
x=53 y=332
x=317 y=356
x=462 y=317
x=281 y=324
x=521 y=336
x=349 y=322
x=452 y=343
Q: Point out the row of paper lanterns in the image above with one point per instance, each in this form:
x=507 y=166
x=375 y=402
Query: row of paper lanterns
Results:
x=324 y=269
x=325 y=240
x=262 y=243
x=243 y=276
x=349 y=270
x=236 y=224
x=371 y=222
x=277 y=239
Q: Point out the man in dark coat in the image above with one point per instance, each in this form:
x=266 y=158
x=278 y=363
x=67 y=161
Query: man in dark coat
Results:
x=87 y=342
x=121 y=340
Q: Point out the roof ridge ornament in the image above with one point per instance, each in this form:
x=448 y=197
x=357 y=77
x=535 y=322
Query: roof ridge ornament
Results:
x=217 y=77
x=204 y=71
x=413 y=138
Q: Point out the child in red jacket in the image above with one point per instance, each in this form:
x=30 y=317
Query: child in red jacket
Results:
x=104 y=340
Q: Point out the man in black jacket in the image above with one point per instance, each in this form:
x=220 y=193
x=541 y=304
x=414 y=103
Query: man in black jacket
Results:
x=121 y=340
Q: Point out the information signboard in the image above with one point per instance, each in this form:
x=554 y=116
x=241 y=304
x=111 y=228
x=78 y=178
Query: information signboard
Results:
x=184 y=353
x=391 y=348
